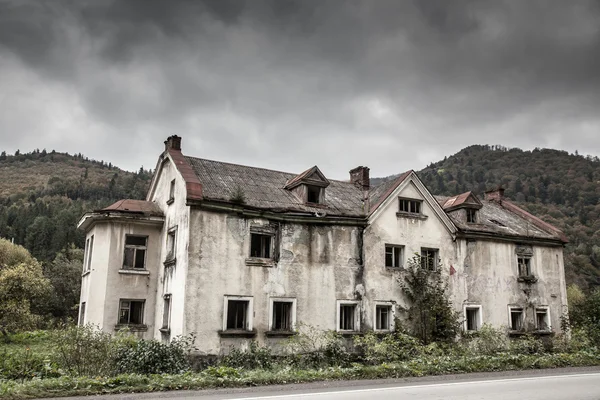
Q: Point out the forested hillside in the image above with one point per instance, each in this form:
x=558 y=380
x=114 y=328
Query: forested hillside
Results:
x=561 y=188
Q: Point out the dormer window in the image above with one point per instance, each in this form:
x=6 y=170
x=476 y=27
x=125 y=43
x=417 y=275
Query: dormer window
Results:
x=471 y=215
x=313 y=194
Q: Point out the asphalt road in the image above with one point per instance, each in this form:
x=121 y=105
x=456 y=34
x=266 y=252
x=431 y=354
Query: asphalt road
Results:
x=566 y=384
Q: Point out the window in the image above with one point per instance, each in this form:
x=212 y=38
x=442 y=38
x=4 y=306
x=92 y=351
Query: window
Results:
x=472 y=318
x=238 y=313
x=394 y=256
x=410 y=206
x=135 y=252
x=384 y=317
x=348 y=316
x=471 y=215
x=87 y=257
x=82 y=314
x=283 y=314
x=542 y=319
x=516 y=318
x=313 y=194
x=171 y=192
x=524 y=264
x=131 y=312
x=260 y=245
x=429 y=259
x=171 y=236
x=166 y=322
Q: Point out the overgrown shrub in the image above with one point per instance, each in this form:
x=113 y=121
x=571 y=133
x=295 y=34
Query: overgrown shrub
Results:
x=527 y=344
x=312 y=347
x=26 y=365
x=487 y=341
x=376 y=349
x=256 y=357
x=84 y=350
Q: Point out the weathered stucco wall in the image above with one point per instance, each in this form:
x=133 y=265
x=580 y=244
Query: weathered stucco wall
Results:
x=94 y=282
x=171 y=277
x=318 y=265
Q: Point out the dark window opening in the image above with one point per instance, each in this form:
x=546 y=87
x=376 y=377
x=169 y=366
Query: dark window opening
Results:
x=131 y=312
x=472 y=319
x=471 y=216
x=524 y=264
x=260 y=245
x=135 y=252
x=166 y=322
x=383 y=317
x=282 y=316
x=237 y=311
x=82 y=314
x=313 y=194
x=347 y=317
x=172 y=191
x=393 y=256
x=542 y=321
x=171 y=244
x=516 y=319
x=410 y=206
x=429 y=259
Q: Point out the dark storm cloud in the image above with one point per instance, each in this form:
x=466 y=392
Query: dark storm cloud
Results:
x=287 y=84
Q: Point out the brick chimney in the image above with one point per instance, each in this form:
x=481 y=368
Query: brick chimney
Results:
x=173 y=142
x=360 y=177
x=495 y=194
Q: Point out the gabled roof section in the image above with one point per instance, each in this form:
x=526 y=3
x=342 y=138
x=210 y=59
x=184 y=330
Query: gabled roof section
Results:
x=312 y=176
x=130 y=211
x=382 y=191
x=463 y=200
x=129 y=206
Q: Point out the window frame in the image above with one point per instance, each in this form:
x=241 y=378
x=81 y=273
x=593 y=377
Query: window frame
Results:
x=171 y=245
x=271 y=245
x=356 y=316
x=315 y=190
x=143 y=313
x=249 y=312
x=521 y=319
x=166 y=317
x=527 y=264
x=436 y=259
x=87 y=256
x=466 y=308
x=292 y=302
x=171 y=199
x=471 y=215
x=546 y=310
x=391 y=316
x=394 y=248
x=136 y=248
x=409 y=202
x=82 y=311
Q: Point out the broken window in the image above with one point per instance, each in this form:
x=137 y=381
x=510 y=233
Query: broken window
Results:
x=429 y=259
x=383 y=317
x=516 y=319
x=171 y=192
x=472 y=318
x=131 y=312
x=394 y=256
x=260 y=245
x=524 y=264
x=410 y=206
x=542 y=319
x=313 y=194
x=166 y=322
x=171 y=236
x=282 y=316
x=237 y=314
x=347 y=320
x=471 y=215
x=82 y=314
x=135 y=252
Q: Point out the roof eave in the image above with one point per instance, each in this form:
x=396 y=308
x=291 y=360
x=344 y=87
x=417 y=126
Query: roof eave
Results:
x=91 y=218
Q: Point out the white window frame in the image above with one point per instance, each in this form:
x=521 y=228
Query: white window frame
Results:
x=143 y=301
x=87 y=257
x=166 y=317
x=135 y=247
x=249 y=311
x=82 y=312
x=171 y=192
x=356 y=305
x=479 y=309
x=394 y=247
x=172 y=232
x=272 y=302
x=271 y=237
x=391 y=318
x=516 y=307
x=548 y=319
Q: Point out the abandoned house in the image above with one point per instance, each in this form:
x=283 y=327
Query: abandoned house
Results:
x=237 y=253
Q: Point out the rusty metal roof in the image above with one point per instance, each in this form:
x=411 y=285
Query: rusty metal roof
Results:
x=147 y=208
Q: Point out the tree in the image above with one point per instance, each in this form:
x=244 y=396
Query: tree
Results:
x=430 y=313
x=64 y=274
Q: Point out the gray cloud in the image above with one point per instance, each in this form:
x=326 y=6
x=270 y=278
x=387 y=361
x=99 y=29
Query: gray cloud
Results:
x=289 y=84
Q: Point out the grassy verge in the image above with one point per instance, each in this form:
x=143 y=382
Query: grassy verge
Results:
x=216 y=377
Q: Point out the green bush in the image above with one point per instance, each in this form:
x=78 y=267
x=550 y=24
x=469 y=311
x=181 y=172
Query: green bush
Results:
x=315 y=348
x=25 y=365
x=256 y=357
x=377 y=349
x=487 y=341
x=527 y=344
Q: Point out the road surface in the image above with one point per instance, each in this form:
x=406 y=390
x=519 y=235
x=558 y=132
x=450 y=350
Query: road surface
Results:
x=525 y=385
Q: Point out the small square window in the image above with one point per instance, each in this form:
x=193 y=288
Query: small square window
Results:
x=471 y=215
x=238 y=313
x=131 y=312
x=348 y=316
x=383 y=317
x=472 y=318
x=135 y=252
x=429 y=259
x=313 y=194
x=283 y=314
x=410 y=206
x=394 y=256
x=516 y=319
x=542 y=319
x=524 y=264
x=260 y=245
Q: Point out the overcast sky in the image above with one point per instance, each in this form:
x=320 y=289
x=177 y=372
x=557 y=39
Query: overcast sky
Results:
x=393 y=85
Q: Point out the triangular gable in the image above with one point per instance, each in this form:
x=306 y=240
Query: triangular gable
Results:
x=463 y=200
x=312 y=176
x=192 y=183
x=399 y=185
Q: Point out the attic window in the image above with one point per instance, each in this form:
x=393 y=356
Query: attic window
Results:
x=410 y=206
x=313 y=194
x=471 y=215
